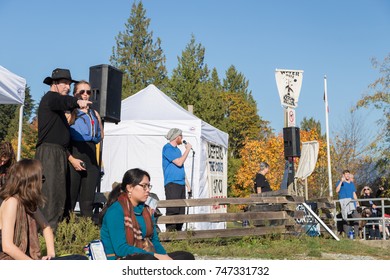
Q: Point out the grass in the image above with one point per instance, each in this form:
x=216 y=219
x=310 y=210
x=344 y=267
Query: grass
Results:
x=278 y=247
x=72 y=235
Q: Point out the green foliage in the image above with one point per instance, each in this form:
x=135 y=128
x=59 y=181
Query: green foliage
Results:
x=311 y=124
x=11 y=121
x=137 y=55
x=234 y=165
x=188 y=76
x=211 y=109
x=7 y=114
x=73 y=234
x=241 y=118
x=236 y=82
x=190 y=84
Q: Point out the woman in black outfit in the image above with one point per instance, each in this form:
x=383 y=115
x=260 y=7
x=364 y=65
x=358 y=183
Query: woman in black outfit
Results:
x=369 y=210
x=86 y=131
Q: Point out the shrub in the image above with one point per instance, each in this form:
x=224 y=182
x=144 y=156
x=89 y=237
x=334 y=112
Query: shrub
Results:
x=73 y=234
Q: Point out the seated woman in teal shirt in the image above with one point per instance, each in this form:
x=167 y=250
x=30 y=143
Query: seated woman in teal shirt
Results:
x=128 y=227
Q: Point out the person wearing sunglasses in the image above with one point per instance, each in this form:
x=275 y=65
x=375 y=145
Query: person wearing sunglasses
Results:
x=128 y=228
x=86 y=131
x=53 y=141
x=370 y=209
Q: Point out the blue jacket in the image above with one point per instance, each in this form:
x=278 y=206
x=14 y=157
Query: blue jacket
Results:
x=86 y=127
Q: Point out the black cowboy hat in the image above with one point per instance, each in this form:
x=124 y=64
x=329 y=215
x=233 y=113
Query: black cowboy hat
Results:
x=59 y=74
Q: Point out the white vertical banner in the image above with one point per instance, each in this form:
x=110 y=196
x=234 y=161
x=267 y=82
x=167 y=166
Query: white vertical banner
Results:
x=217 y=174
x=308 y=160
x=289 y=83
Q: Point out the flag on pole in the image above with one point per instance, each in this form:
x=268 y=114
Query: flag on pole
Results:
x=326 y=102
x=327 y=139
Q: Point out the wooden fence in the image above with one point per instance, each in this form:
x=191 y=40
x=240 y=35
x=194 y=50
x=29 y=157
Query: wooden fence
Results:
x=274 y=212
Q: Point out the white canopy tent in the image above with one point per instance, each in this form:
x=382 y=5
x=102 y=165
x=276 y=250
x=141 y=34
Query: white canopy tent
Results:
x=137 y=141
x=12 y=91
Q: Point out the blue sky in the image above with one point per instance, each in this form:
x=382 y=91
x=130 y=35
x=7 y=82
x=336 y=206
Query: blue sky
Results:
x=333 y=38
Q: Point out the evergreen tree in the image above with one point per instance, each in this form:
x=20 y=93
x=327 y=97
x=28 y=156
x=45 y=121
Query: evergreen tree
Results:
x=215 y=81
x=190 y=84
x=29 y=131
x=311 y=124
x=137 y=55
x=236 y=82
x=7 y=113
x=211 y=108
x=241 y=118
x=191 y=72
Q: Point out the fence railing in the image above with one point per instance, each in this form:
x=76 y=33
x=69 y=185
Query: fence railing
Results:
x=273 y=212
x=381 y=206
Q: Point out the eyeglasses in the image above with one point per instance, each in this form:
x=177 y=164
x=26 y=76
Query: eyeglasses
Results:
x=365 y=189
x=85 y=91
x=146 y=186
x=43 y=179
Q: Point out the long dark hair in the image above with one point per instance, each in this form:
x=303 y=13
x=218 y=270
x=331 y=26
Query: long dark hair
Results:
x=24 y=182
x=73 y=114
x=6 y=150
x=131 y=177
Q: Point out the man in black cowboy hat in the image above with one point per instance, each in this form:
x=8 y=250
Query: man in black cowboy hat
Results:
x=53 y=141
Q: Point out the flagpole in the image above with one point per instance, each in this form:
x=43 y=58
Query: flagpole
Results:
x=327 y=139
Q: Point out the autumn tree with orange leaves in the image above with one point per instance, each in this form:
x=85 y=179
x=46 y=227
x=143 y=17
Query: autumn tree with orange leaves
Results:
x=271 y=151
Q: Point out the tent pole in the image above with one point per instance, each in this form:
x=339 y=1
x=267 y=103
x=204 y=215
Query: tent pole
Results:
x=192 y=181
x=20 y=132
x=192 y=169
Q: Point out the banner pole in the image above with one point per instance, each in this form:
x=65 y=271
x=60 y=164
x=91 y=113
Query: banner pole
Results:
x=327 y=139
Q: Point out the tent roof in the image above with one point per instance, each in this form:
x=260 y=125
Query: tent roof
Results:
x=152 y=104
x=12 y=87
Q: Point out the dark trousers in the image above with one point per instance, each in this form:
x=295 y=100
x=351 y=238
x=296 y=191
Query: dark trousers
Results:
x=82 y=184
x=355 y=224
x=54 y=162
x=174 y=191
x=177 y=255
x=70 y=257
x=373 y=228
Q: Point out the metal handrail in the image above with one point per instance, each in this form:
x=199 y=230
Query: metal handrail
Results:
x=382 y=207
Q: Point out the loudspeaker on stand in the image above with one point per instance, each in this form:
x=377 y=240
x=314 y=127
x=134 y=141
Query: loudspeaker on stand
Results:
x=106 y=86
x=292 y=143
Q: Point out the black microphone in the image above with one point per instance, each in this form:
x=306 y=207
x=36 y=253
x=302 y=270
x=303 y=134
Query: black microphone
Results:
x=185 y=143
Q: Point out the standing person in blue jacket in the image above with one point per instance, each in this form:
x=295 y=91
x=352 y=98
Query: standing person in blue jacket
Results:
x=128 y=228
x=86 y=131
x=53 y=141
x=175 y=181
x=347 y=192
